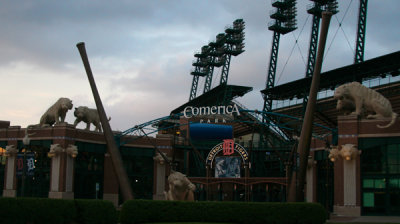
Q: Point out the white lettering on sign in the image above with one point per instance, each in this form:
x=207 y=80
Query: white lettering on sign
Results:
x=190 y=111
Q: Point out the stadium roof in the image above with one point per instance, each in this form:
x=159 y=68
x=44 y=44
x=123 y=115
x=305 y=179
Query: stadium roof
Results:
x=369 y=69
x=220 y=95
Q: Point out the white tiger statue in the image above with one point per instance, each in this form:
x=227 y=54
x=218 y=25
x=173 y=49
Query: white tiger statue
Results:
x=180 y=188
x=366 y=100
x=89 y=116
x=56 y=113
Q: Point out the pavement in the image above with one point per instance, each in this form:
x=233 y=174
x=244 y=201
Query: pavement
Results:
x=364 y=219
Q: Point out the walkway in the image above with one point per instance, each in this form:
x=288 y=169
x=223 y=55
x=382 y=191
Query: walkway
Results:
x=365 y=219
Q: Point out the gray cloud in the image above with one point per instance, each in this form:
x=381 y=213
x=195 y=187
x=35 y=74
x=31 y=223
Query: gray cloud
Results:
x=141 y=51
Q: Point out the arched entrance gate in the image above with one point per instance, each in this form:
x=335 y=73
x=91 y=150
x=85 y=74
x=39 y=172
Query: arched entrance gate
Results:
x=201 y=160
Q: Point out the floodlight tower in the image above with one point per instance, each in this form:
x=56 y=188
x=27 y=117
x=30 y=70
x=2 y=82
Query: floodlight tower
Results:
x=217 y=54
x=211 y=59
x=234 y=46
x=211 y=55
x=362 y=25
x=230 y=43
x=200 y=69
x=316 y=10
x=217 y=58
x=284 y=21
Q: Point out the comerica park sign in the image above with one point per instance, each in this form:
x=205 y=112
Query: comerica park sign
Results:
x=190 y=111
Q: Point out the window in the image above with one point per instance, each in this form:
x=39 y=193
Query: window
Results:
x=380 y=176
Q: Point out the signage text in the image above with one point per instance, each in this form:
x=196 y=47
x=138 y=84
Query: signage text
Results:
x=190 y=111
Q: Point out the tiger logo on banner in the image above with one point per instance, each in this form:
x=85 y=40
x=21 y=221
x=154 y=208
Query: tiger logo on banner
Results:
x=228 y=147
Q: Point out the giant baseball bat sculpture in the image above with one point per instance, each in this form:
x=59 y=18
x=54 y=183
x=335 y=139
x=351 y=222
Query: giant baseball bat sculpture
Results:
x=306 y=130
x=112 y=146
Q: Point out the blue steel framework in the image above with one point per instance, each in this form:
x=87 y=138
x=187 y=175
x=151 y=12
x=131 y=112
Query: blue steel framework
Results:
x=151 y=127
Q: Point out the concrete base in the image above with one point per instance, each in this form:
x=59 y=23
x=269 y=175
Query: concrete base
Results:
x=61 y=195
x=349 y=211
x=9 y=193
x=158 y=197
x=114 y=198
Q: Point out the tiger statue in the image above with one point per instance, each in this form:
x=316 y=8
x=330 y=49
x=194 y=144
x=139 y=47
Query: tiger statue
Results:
x=180 y=188
x=346 y=106
x=89 y=116
x=334 y=154
x=366 y=100
x=349 y=151
x=56 y=113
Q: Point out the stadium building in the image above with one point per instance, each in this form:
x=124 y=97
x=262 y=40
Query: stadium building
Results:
x=230 y=152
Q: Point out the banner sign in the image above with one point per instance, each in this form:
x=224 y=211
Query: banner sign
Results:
x=29 y=162
x=227 y=167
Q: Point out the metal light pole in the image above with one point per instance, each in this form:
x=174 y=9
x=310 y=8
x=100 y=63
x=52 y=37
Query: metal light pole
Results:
x=112 y=147
x=306 y=131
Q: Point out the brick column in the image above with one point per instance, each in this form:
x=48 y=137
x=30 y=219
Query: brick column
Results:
x=159 y=177
x=62 y=171
x=10 y=181
x=62 y=154
x=347 y=172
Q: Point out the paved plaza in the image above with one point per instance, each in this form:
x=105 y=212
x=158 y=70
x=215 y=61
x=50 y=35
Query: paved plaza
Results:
x=364 y=219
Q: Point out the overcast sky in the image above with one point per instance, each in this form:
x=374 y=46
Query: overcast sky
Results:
x=141 y=51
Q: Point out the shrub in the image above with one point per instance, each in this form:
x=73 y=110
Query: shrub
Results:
x=37 y=210
x=140 y=211
x=9 y=211
x=56 y=211
x=95 y=211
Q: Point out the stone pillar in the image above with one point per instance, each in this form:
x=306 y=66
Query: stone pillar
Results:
x=159 y=177
x=55 y=173
x=350 y=206
x=62 y=171
x=349 y=179
x=69 y=177
x=111 y=186
x=10 y=183
x=310 y=188
x=350 y=157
